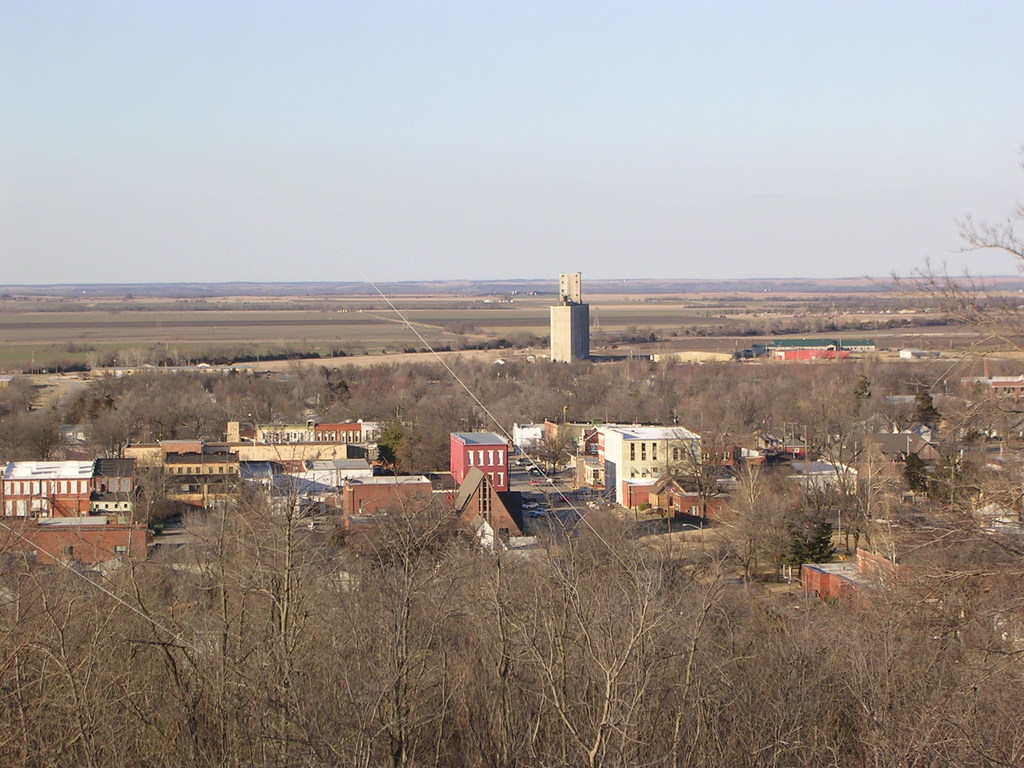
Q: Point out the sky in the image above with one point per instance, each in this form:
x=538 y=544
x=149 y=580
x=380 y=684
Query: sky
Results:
x=168 y=141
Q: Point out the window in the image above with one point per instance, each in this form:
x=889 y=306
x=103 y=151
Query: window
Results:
x=120 y=549
x=632 y=451
x=643 y=451
x=654 y=451
x=677 y=453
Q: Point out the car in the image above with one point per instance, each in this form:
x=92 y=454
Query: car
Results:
x=538 y=513
x=530 y=505
x=534 y=471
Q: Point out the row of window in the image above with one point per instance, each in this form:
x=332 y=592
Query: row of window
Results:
x=203 y=469
x=643 y=451
x=45 y=487
x=490 y=455
x=675 y=451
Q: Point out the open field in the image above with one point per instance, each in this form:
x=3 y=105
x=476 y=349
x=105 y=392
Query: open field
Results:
x=39 y=332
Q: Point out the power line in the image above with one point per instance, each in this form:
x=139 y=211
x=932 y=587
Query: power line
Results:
x=332 y=241
x=67 y=566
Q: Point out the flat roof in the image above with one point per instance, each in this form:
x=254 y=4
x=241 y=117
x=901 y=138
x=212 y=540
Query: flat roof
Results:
x=69 y=522
x=654 y=433
x=389 y=480
x=48 y=470
x=340 y=464
x=480 y=438
x=845 y=570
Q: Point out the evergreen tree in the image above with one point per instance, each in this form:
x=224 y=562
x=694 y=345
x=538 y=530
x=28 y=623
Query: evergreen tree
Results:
x=925 y=411
x=810 y=541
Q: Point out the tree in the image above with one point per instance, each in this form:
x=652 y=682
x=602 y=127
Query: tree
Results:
x=756 y=523
x=389 y=442
x=925 y=411
x=553 y=451
x=697 y=464
x=810 y=540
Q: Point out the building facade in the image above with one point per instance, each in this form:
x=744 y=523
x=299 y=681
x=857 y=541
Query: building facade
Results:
x=373 y=495
x=484 y=450
x=639 y=454
x=570 y=321
x=46 y=488
x=85 y=540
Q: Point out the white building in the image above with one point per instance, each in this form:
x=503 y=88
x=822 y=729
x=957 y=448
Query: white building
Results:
x=642 y=453
x=526 y=436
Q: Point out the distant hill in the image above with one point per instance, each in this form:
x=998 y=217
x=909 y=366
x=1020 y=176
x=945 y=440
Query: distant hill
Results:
x=848 y=285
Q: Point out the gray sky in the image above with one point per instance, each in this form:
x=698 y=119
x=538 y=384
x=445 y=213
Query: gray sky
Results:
x=212 y=141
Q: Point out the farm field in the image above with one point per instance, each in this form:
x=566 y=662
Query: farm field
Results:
x=43 y=332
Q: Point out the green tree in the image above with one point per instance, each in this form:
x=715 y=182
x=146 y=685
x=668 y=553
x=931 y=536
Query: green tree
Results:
x=925 y=411
x=915 y=472
x=810 y=541
x=388 y=443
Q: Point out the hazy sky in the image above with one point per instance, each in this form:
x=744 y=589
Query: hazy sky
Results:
x=212 y=141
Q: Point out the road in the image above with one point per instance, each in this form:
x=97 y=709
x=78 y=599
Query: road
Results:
x=559 y=505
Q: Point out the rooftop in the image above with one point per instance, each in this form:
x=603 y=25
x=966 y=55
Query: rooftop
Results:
x=389 y=480
x=479 y=438
x=72 y=522
x=115 y=467
x=637 y=432
x=48 y=470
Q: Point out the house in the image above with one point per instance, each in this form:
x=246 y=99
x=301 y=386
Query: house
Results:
x=897 y=446
x=46 y=488
x=824 y=475
x=677 y=496
x=489 y=512
x=485 y=450
x=780 y=446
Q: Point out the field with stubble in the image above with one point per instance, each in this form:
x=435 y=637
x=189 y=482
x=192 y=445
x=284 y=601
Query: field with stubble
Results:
x=70 y=330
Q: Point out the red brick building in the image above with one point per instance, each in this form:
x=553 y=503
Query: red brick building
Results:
x=478 y=500
x=371 y=495
x=46 y=488
x=484 y=450
x=86 y=540
x=847 y=580
x=338 y=433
